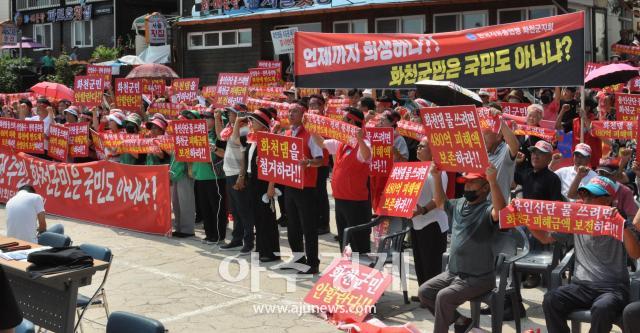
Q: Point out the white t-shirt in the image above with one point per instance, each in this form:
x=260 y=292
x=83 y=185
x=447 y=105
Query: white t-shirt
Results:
x=436 y=214
x=567 y=174
x=22 y=216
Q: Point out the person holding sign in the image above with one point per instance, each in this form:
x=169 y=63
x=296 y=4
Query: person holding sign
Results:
x=471 y=271
x=502 y=149
x=600 y=279
x=349 y=182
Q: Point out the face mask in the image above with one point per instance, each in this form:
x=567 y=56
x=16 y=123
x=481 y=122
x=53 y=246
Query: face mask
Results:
x=471 y=195
x=244 y=131
x=546 y=99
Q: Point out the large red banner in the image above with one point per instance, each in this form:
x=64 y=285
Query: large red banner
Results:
x=169 y=110
x=30 y=136
x=627 y=107
x=191 y=141
x=614 y=129
x=58 y=142
x=232 y=88
x=455 y=139
x=88 y=90
x=78 y=139
x=279 y=159
x=331 y=128
x=184 y=90
x=128 y=94
x=411 y=129
x=130 y=197
x=516 y=109
x=264 y=77
x=403 y=188
x=381 y=139
x=564 y=217
x=349 y=289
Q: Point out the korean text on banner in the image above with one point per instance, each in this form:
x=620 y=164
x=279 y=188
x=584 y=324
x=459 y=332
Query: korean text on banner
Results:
x=103 y=192
x=627 y=107
x=128 y=94
x=410 y=129
x=335 y=106
x=58 y=142
x=8 y=133
x=265 y=77
x=381 y=139
x=521 y=54
x=563 y=217
x=169 y=110
x=455 y=138
x=78 y=139
x=184 y=90
x=269 y=64
x=403 y=189
x=209 y=91
x=279 y=159
x=153 y=86
x=8 y=33
x=605 y=129
x=283 y=40
x=30 y=136
x=516 y=109
x=88 y=90
x=191 y=141
x=232 y=88
x=155 y=29
x=545 y=134
x=331 y=128
x=272 y=93
x=102 y=71
x=350 y=288
x=487 y=120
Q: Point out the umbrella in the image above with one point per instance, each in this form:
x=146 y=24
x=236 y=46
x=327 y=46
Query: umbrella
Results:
x=447 y=93
x=27 y=43
x=609 y=75
x=53 y=90
x=152 y=71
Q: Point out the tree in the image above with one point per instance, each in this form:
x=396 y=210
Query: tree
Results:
x=9 y=73
x=65 y=72
x=103 y=53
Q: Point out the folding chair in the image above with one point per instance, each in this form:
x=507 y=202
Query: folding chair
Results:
x=54 y=240
x=99 y=297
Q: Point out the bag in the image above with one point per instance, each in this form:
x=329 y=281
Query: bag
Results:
x=57 y=259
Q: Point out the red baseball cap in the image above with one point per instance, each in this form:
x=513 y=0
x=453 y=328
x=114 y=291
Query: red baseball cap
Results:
x=469 y=176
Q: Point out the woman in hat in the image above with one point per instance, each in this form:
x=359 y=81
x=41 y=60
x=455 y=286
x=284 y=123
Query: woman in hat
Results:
x=132 y=126
x=157 y=127
x=71 y=115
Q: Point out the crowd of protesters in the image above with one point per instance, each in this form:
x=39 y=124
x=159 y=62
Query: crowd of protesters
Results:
x=465 y=206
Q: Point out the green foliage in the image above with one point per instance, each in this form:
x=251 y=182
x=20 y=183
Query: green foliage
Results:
x=103 y=53
x=9 y=69
x=65 y=72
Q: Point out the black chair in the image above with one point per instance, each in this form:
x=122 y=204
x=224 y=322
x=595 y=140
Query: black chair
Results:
x=540 y=261
x=388 y=247
x=509 y=246
x=125 y=322
x=54 y=240
x=584 y=316
x=99 y=297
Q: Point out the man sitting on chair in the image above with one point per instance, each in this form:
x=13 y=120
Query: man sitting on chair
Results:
x=471 y=271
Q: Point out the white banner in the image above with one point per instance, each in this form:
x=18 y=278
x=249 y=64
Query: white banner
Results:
x=283 y=40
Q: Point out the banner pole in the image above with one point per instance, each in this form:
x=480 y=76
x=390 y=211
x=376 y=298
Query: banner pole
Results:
x=582 y=115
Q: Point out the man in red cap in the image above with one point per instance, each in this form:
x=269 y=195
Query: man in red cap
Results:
x=567 y=175
x=471 y=270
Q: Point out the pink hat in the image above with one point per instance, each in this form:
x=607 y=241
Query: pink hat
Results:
x=542 y=146
x=117 y=116
x=583 y=148
x=158 y=121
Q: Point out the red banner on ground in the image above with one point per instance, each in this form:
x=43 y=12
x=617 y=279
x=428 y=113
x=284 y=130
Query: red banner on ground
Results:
x=184 y=90
x=191 y=141
x=30 y=136
x=209 y=91
x=8 y=133
x=232 y=88
x=331 y=128
x=264 y=77
x=102 y=192
x=627 y=107
x=403 y=188
x=128 y=94
x=516 y=109
x=269 y=64
x=487 y=121
x=334 y=108
x=455 y=139
x=58 y=142
x=88 y=90
x=279 y=159
x=78 y=139
x=381 y=139
x=169 y=110
x=411 y=129
x=614 y=129
x=545 y=134
x=564 y=217
x=350 y=289
x=153 y=86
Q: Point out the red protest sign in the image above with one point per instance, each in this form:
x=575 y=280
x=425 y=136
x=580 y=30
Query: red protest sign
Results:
x=282 y=108
x=493 y=93
x=331 y=128
x=183 y=90
x=153 y=86
x=279 y=159
x=613 y=129
x=273 y=93
x=30 y=136
x=209 y=91
x=269 y=64
x=564 y=217
x=488 y=121
x=545 y=134
x=139 y=146
x=381 y=139
x=191 y=141
x=626 y=49
x=88 y=90
x=634 y=84
x=305 y=92
x=8 y=133
x=335 y=106
x=232 y=88
x=627 y=107
x=128 y=94
x=349 y=289
x=455 y=139
x=516 y=109
x=169 y=110
x=102 y=71
x=58 y=142
x=403 y=189
x=411 y=129
x=264 y=77
x=78 y=139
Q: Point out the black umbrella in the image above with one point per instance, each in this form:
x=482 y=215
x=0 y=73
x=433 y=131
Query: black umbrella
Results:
x=447 y=93
x=609 y=75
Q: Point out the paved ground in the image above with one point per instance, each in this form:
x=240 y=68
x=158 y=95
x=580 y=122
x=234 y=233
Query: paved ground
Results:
x=179 y=282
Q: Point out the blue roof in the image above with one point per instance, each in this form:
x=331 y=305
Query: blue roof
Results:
x=245 y=12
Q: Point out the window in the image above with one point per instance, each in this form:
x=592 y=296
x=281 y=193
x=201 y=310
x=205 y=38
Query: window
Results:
x=355 y=26
x=219 y=39
x=82 y=33
x=520 y=14
x=459 y=21
x=404 y=24
x=35 y=4
x=42 y=34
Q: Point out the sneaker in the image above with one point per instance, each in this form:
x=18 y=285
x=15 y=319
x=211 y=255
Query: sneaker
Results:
x=230 y=245
x=246 y=250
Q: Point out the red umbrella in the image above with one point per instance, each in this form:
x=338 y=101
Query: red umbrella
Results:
x=609 y=75
x=152 y=71
x=53 y=90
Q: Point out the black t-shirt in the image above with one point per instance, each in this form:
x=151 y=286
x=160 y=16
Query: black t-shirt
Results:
x=541 y=185
x=10 y=315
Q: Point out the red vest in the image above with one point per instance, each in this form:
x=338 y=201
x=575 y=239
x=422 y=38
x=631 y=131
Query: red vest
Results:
x=310 y=173
x=349 y=180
